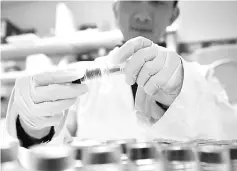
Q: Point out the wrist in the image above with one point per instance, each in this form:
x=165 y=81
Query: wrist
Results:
x=162 y=106
x=35 y=133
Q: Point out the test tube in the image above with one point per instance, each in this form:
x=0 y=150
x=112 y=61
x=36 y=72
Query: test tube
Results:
x=95 y=72
x=213 y=158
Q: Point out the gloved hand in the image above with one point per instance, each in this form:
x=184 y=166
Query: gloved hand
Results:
x=40 y=99
x=157 y=71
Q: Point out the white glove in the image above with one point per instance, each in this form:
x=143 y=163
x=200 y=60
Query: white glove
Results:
x=41 y=99
x=157 y=71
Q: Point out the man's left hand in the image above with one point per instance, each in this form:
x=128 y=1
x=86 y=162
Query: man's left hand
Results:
x=157 y=70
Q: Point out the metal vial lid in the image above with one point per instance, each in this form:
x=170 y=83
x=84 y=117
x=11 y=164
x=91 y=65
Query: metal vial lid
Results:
x=213 y=154
x=179 y=153
x=51 y=157
x=233 y=152
x=142 y=150
x=102 y=154
x=9 y=151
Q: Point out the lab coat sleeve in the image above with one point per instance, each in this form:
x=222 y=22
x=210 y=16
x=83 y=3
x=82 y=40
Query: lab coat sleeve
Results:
x=200 y=111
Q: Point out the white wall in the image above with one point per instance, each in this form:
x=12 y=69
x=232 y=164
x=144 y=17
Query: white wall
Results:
x=41 y=15
x=199 y=20
x=36 y=15
x=206 y=20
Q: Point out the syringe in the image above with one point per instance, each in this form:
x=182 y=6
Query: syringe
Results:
x=98 y=72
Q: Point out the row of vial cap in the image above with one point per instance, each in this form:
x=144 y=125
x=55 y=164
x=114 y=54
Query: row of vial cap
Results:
x=160 y=155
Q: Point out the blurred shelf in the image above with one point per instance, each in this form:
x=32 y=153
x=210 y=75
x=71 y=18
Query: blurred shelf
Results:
x=80 y=42
x=10 y=77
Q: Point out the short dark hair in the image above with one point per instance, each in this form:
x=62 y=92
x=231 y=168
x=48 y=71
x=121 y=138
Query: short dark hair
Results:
x=175 y=3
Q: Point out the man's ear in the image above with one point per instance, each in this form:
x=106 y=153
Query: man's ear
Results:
x=175 y=15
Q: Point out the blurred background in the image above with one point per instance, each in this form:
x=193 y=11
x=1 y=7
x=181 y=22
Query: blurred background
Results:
x=35 y=34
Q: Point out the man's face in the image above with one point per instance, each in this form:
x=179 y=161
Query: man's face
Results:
x=144 y=18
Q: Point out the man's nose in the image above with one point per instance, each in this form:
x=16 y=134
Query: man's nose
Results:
x=142 y=17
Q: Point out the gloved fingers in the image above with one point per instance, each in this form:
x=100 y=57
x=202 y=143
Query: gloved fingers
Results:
x=130 y=80
x=40 y=122
x=140 y=99
x=149 y=69
x=163 y=97
x=51 y=120
x=133 y=67
x=112 y=55
x=53 y=107
x=142 y=119
x=54 y=92
x=143 y=103
x=58 y=76
x=82 y=65
x=174 y=84
x=129 y=48
x=160 y=80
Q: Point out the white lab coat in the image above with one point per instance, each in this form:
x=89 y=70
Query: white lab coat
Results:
x=107 y=112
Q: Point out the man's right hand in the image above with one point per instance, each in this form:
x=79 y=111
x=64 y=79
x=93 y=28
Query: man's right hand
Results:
x=40 y=99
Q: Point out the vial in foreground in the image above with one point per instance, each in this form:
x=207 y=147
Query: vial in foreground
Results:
x=47 y=157
x=123 y=143
x=9 y=156
x=102 y=158
x=78 y=147
x=144 y=156
x=180 y=157
x=213 y=158
x=233 y=156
